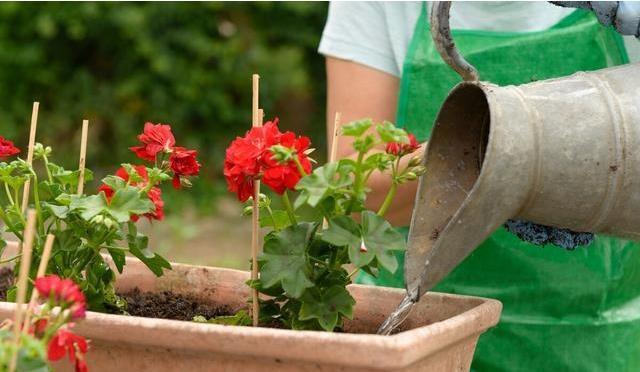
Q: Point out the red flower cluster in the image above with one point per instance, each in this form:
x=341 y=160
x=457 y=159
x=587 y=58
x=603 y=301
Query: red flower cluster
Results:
x=249 y=158
x=63 y=291
x=154 y=194
x=155 y=138
x=402 y=149
x=158 y=139
x=7 y=148
x=65 y=342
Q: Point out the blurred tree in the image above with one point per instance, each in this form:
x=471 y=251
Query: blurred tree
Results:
x=186 y=64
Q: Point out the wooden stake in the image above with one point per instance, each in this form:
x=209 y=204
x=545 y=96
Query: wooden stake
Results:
x=83 y=156
x=42 y=270
x=261 y=116
x=333 y=149
x=255 y=216
x=32 y=143
x=25 y=264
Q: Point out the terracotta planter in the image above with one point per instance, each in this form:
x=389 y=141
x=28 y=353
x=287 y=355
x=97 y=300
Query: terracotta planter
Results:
x=440 y=335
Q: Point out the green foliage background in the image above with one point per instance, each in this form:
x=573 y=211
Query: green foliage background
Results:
x=186 y=64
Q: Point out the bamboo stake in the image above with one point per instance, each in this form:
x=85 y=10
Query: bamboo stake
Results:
x=83 y=156
x=333 y=153
x=25 y=264
x=255 y=216
x=42 y=270
x=32 y=143
x=333 y=149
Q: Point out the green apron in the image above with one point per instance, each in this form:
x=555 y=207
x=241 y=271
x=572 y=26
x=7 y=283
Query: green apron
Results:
x=563 y=310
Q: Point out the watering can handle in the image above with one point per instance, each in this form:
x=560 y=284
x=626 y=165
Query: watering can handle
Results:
x=441 y=34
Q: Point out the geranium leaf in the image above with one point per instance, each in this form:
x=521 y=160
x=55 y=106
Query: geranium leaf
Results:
x=326 y=306
x=356 y=128
x=138 y=246
x=380 y=239
x=284 y=260
x=60 y=211
x=278 y=219
x=128 y=201
x=323 y=182
x=390 y=133
x=115 y=182
x=344 y=231
x=88 y=206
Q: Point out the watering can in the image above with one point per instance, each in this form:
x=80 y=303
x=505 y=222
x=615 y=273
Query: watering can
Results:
x=562 y=152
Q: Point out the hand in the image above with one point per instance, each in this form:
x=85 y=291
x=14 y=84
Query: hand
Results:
x=624 y=15
x=541 y=234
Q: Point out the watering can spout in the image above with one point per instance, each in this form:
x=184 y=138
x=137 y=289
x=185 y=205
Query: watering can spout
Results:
x=558 y=152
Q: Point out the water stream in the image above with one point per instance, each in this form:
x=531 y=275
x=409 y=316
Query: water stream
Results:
x=399 y=315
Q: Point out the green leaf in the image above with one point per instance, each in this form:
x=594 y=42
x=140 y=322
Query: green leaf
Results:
x=356 y=128
x=138 y=246
x=68 y=177
x=66 y=240
x=88 y=206
x=284 y=260
x=390 y=133
x=241 y=318
x=60 y=211
x=327 y=306
x=118 y=257
x=279 y=221
x=378 y=236
x=323 y=182
x=128 y=201
x=364 y=144
x=114 y=182
x=380 y=161
x=49 y=190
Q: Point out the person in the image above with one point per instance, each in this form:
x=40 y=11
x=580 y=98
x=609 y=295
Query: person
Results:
x=563 y=310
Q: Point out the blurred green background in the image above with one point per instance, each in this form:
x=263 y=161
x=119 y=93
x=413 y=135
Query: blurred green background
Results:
x=185 y=64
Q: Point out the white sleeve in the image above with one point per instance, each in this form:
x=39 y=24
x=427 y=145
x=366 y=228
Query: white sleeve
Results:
x=357 y=31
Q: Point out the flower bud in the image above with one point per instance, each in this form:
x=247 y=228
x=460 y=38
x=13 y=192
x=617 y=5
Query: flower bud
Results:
x=247 y=211
x=419 y=170
x=97 y=220
x=415 y=161
x=410 y=176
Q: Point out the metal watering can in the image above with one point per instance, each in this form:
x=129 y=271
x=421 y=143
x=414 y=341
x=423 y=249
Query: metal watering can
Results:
x=563 y=152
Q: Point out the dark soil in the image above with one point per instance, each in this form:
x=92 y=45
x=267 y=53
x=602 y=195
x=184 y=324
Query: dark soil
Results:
x=168 y=305
x=164 y=305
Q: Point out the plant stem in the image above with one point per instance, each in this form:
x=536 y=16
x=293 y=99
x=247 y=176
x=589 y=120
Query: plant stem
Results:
x=6 y=188
x=299 y=165
x=356 y=183
x=273 y=219
x=6 y=260
x=46 y=166
x=289 y=208
x=354 y=272
x=388 y=199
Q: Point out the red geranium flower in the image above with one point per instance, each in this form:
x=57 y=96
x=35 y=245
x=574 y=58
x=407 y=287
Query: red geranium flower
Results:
x=7 y=148
x=64 y=291
x=155 y=194
x=65 y=342
x=401 y=149
x=282 y=177
x=155 y=138
x=183 y=163
x=245 y=157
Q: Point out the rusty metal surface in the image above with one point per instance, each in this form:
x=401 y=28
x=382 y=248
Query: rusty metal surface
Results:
x=561 y=152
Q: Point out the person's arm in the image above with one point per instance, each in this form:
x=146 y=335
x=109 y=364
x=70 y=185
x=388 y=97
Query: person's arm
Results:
x=357 y=92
